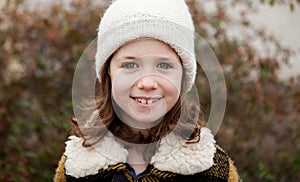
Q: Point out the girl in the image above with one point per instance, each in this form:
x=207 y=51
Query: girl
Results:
x=144 y=129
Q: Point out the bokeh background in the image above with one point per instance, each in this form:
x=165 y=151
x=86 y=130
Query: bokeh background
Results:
x=41 y=44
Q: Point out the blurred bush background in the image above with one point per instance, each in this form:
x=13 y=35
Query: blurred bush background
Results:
x=38 y=55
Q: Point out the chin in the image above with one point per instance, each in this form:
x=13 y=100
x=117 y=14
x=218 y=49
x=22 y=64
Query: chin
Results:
x=142 y=122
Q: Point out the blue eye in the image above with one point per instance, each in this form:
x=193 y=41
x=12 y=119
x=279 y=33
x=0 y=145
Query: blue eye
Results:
x=164 y=65
x=130 y=65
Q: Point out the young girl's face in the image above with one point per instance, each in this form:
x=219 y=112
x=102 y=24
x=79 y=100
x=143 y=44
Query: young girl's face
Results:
x=146 y=77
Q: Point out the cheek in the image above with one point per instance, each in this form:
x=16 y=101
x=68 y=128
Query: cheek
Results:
x=173 y=83
x=171 y=89
x=120 y=86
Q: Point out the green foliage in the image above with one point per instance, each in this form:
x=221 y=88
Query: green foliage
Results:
x=38 y=57
x=260 y=130
x=37 y=65
x=265 y=173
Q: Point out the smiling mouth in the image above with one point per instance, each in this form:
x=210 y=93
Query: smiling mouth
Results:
x=146 y=101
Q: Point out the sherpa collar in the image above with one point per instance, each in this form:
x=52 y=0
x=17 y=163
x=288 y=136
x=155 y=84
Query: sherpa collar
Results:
x=173 y=155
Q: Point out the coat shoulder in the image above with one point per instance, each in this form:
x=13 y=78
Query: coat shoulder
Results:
x=223 y=168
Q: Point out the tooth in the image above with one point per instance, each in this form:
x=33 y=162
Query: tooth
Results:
x=143 y=101
x=146 y=101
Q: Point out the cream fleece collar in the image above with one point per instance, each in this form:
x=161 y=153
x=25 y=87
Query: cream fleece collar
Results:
x=173 y=155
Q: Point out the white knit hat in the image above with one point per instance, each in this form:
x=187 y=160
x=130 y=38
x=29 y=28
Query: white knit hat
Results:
x=165 y=20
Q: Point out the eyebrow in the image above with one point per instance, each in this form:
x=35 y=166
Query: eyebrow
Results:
x=165 y=58
x=160 y=58
x=127 y=57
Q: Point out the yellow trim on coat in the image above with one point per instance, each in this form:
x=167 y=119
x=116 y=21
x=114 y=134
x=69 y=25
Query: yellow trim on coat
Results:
x=233 y=175
x=60 y=171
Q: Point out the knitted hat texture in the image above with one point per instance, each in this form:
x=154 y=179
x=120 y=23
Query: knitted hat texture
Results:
x=166 y=20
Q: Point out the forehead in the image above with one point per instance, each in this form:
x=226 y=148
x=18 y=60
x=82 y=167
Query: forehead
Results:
x=145 y=46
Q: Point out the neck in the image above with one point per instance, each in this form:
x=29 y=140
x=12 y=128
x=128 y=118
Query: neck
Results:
x=136 y=154
x=135 y=158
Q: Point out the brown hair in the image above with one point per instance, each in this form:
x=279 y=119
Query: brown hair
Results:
x=187 y=116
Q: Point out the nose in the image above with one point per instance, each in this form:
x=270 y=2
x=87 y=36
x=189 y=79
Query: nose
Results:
x=147 y=83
